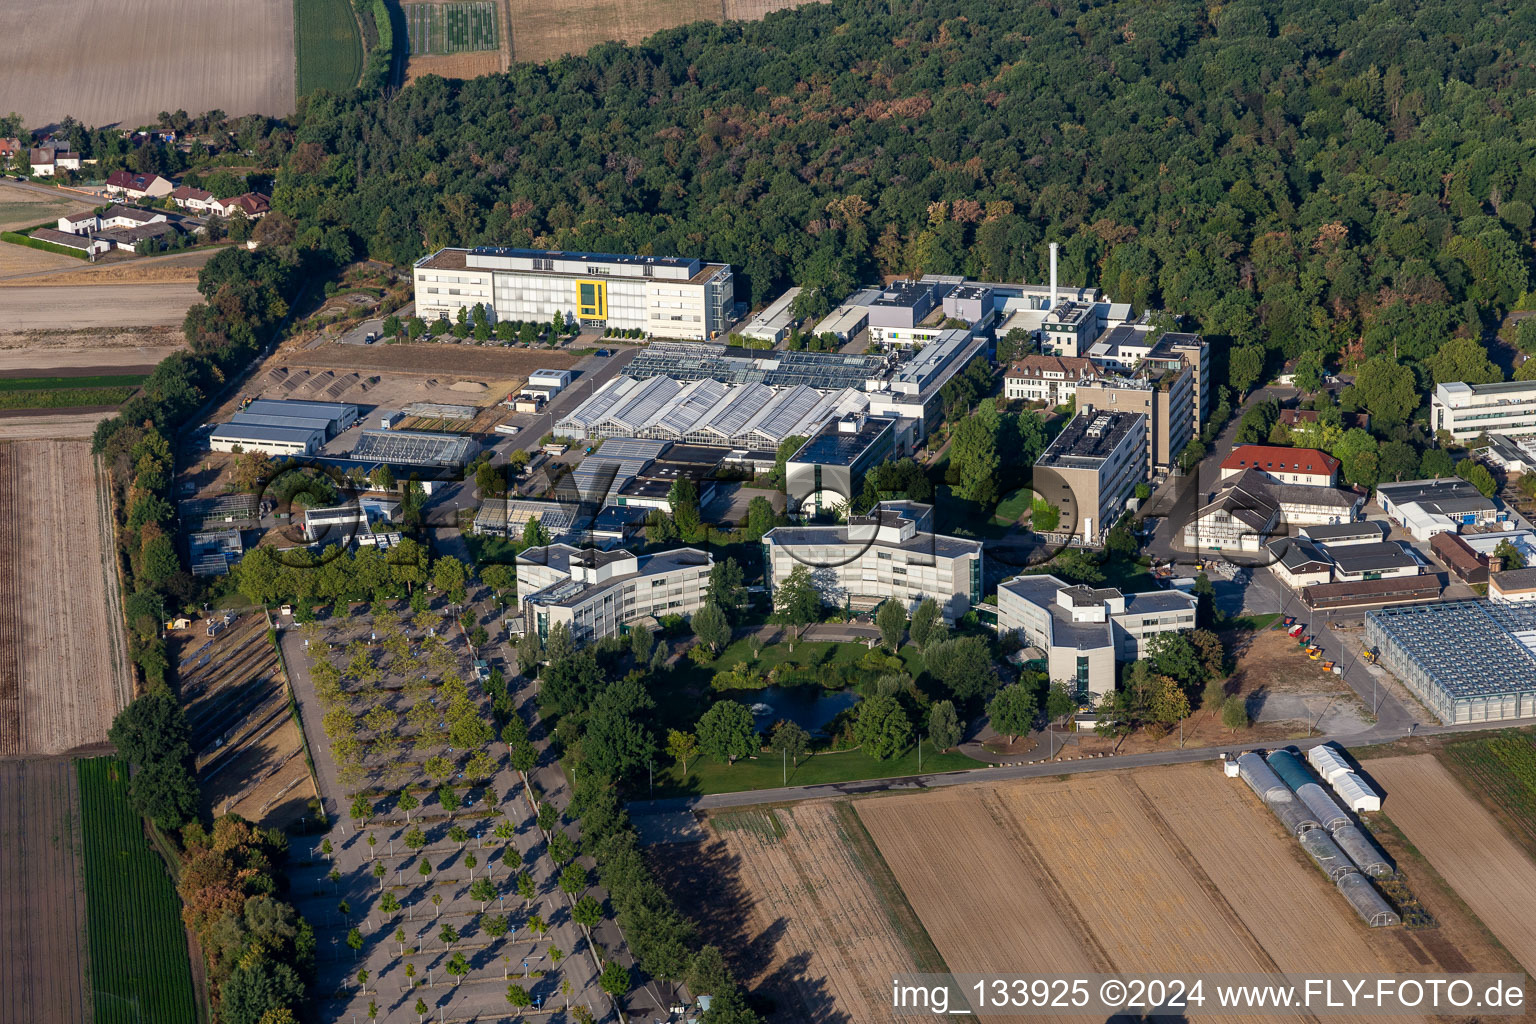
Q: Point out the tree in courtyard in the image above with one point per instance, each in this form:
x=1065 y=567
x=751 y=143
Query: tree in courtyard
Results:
x=881 y=727
x=943 y=724
x=1510 y=555
x=725 y=731
x=421 y=1009
x=682 y=747
x=924 y=619
x=457 y=966
x=711 y=627
x=790 y=740
x=449 y=934
x=362 y=807
x=415 y=838
x=519 y=997
x=482 y=892
x=892 y=621
x=1012 y=710
x=796 y=600
x=496 y=925
x=525 y=887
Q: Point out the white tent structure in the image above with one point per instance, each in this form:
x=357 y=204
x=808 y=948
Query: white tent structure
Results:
x=1357 y=796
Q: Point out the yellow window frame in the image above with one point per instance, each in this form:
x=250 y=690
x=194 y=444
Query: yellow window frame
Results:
x=588 y=310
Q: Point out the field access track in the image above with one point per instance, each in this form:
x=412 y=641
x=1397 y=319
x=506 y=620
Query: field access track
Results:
x=42 y=902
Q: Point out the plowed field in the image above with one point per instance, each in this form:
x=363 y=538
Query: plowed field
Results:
x=1465 y=845
x=1174 y=869
x=811 y=924
x=65 y=672
x=42 y=899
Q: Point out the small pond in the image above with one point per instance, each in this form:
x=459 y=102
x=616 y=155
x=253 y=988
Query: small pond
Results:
x=809 y=707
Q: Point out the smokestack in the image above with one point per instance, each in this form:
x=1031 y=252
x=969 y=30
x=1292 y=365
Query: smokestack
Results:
x=1053 y=275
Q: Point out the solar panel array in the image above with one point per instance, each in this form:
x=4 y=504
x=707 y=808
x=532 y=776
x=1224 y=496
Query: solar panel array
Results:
x=408 y=447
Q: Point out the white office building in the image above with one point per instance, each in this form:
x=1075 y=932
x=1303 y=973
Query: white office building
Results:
x=1468 y=410
x=597 y=593
x=665 y=297
x=891 y=553
x=1083 y=631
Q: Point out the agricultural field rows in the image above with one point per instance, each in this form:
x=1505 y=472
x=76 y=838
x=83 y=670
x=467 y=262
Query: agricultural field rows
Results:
x=140 y=971
x=42 y=902
x=444 y=28
x=1504 y=768
x=1172 y=868
x=66 y=672
x=1466 y=845
x=327 y=46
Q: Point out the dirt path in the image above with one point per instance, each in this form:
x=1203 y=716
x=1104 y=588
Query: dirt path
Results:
x=42 y=895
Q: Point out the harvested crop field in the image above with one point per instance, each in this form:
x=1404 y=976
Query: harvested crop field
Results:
x=454 y=65
x=42 y=898
x=22 y=259
x=24 y=207
x=66 y=671
x=801 y=903
x=496 y=362
x=1118 y=873
x=80 y=306
x=233 y=55
x=1464 y=843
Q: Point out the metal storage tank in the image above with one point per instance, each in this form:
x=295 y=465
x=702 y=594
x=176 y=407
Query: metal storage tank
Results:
x=1356 y=794
x=1326 y=854
x=1362 y=895
x=1290 y=769
x=1354 y=842
x=1292 y=813
x=1259 y=777
x=1326 y=760
x=1329 y=814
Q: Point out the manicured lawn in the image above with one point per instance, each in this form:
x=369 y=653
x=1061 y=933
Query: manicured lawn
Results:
x=766 y=772
x=1012 y=506
x=327 y=46
x=1255 y=622
x=140 y=972
x=487 y=550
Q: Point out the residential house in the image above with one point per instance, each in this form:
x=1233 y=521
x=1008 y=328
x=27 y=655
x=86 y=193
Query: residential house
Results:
x=1306 y=466
x=194 y=199
x=253 y=204
x=1050 y=379
x=137 y=186
x=47 y=162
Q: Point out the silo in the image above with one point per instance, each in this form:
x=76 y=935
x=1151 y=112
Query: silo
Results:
x=1326 y=854
x=1290 y=769
x=1353 y=841
x=1329 y=814
x=1362 y=895
x=1259 y=777
x=1327 y=761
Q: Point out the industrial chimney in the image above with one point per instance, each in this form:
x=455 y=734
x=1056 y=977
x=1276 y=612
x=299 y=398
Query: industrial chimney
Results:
x=1053 y=274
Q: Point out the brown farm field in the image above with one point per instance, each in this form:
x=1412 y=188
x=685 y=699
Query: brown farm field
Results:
x=65 y=673
x=233 y=55
x=1174 y=868
x=42 y=897
x=1465 y=845
x=432 y=358
x=22 y=207
x=545 y=31
x=800 y=902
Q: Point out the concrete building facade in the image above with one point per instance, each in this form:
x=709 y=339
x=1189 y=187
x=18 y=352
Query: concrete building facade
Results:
x=1091 y=469
x=1468 y=410
x=1084 y=631
x=662 y=296
x=884 y=555
x=598 y=593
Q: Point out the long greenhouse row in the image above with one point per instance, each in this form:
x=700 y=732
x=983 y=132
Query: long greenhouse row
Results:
x=1328 y=834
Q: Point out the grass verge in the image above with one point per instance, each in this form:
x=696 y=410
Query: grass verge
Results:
x=766 y=772
x=925 y=955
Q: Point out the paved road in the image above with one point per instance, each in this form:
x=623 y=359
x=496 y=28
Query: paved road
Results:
x=1088 y=763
